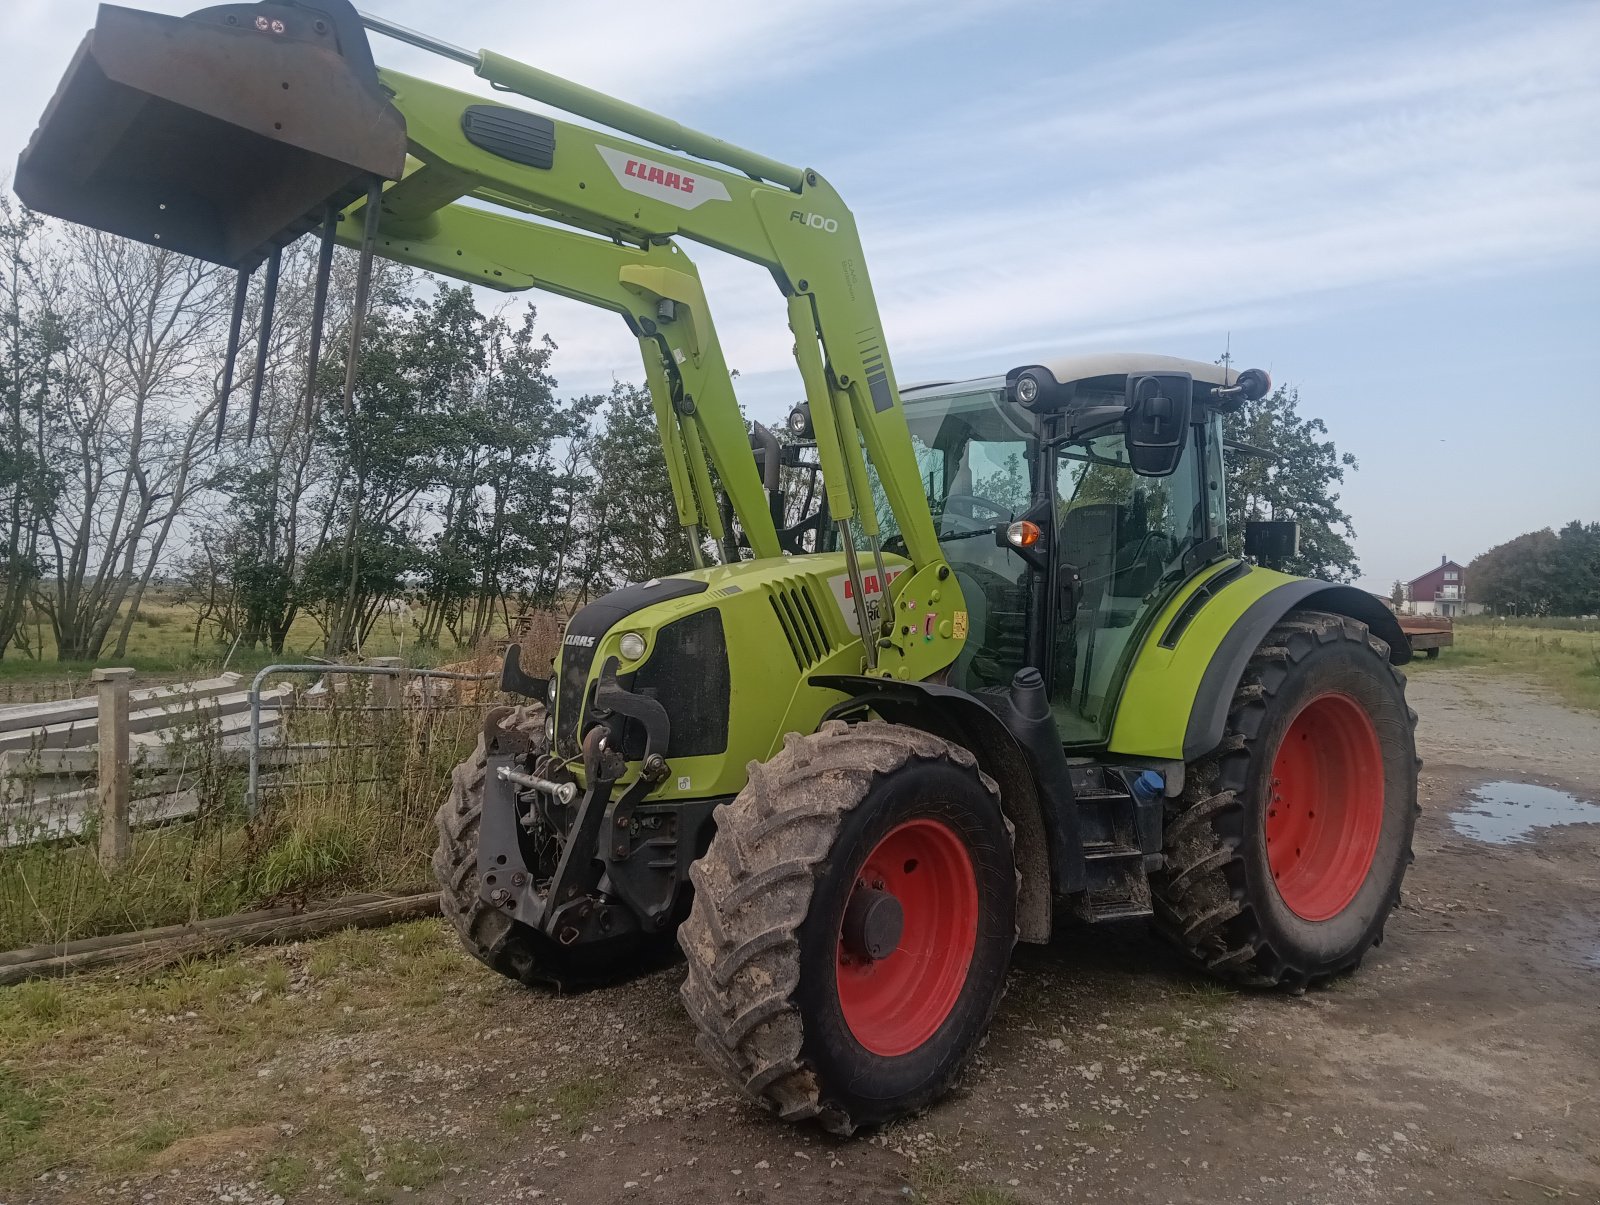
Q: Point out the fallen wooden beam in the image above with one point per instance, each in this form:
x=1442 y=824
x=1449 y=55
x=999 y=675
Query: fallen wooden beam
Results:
x=154 y=948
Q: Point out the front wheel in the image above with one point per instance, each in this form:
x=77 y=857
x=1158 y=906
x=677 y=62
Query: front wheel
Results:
x=1285 y=853
x=852 y=925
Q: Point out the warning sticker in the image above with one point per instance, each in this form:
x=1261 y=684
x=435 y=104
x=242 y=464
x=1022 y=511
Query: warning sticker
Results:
x=958 y=624
x=871 y=590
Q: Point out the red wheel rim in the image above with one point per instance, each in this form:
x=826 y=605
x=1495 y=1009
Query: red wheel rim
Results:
x=1325 y=807
x=895 y=1004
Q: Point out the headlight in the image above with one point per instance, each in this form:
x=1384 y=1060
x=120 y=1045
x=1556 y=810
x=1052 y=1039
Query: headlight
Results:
x=550 y=694
x=631 y=646
x=550 y=731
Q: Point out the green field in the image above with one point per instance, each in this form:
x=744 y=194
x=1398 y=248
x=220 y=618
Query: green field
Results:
x=1566 y=659
x=162 y=646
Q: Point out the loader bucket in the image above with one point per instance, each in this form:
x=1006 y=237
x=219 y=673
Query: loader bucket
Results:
x=224 y=134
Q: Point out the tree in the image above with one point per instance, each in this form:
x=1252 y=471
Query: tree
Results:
x=387 y=450
x=135 y=398
x=275 y=486
x=501 y=529
x=1287 y=470
x=1397 y=593
x=30 y=345
x=1541 y=573
x=632 y=522
x=1577 y=567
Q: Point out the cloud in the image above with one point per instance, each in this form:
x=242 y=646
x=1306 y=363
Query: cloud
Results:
x=1128 y=191
x=1210 y=196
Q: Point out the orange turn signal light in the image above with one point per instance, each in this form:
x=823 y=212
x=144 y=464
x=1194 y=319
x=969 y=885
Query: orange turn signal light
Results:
x=1022 y=534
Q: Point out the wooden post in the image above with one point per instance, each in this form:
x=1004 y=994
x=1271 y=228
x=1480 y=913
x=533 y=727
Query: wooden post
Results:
x=387 y=689
x=112 y=731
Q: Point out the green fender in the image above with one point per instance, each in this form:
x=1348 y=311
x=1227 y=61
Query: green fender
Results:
x=1175 y=700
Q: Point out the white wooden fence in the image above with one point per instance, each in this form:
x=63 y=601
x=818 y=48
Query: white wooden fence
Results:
x=139 y=746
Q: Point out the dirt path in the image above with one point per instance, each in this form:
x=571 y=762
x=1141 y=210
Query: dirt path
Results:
x=1461 y=1064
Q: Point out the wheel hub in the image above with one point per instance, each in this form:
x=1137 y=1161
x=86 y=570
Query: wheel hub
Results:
x=907 y=937
x=1324 y=807
x=873 y=923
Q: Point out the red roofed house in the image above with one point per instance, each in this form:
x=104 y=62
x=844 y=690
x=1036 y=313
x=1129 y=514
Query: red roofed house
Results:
x=1440 y=591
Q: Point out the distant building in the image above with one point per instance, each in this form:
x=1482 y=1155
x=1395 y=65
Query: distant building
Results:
x=1440 y=591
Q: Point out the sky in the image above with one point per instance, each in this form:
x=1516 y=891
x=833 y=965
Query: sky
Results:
x=1394 y=208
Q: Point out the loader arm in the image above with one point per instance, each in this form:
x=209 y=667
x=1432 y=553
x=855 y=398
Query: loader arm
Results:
x=800 y=230
x=240 y=127
x=656 y=289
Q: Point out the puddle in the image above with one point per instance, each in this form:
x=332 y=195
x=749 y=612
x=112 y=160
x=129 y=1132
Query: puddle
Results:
x=1504 y=813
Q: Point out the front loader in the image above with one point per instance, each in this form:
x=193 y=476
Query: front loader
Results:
x=1014 y=682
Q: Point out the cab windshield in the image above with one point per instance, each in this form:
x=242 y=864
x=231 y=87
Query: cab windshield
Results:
x=977 y=456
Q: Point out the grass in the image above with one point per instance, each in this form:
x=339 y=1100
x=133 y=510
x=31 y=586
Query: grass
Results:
x=162 y=648
x=938 y=1181
x=111 y=1077
x=162 y=638
x=1566 y=661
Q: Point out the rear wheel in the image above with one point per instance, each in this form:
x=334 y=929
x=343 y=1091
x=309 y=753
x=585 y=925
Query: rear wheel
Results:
x=852 y=925
x=489 y=935
x=1286 y=851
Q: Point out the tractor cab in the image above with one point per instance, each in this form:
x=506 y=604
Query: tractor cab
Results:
x=1065 y=542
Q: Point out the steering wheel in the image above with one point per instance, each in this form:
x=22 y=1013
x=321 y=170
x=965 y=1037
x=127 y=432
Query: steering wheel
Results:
x=965 y=507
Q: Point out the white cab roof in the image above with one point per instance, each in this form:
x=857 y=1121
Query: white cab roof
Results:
x=1067 y=369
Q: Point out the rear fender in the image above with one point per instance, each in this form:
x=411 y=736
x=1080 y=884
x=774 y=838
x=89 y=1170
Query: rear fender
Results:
x=1175 y=702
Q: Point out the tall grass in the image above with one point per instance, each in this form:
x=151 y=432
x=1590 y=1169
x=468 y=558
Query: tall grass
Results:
x=1557 y=623
x=353 y=814
x=1566 y=660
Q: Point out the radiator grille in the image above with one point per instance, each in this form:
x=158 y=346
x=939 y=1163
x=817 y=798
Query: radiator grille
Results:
x=801 y=622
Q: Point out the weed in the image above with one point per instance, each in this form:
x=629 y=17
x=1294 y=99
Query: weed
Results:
x=936 y=1178
x=276 y=979
x=517 y=1113
x=987 y=1196
x=1202 y=1056
x=1208 y=993
x=156 y=1136
x=357 y=817
x=286 y=1175
x=413 y=1165
x=939 y=1181
x=22 y=1111
x=578 y=1101
x=40 y=1000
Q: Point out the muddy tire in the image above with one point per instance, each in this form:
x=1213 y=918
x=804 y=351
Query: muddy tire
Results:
x=494 y=939
x=852 y=925
x=1286 y=850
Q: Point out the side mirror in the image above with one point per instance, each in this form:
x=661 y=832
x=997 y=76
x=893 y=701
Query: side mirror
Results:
x=1271 y=542
x=1160 y=406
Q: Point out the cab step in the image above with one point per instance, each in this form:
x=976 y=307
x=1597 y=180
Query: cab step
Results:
x=1121 y=836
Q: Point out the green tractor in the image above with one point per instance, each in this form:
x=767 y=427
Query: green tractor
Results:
x=992 y=672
